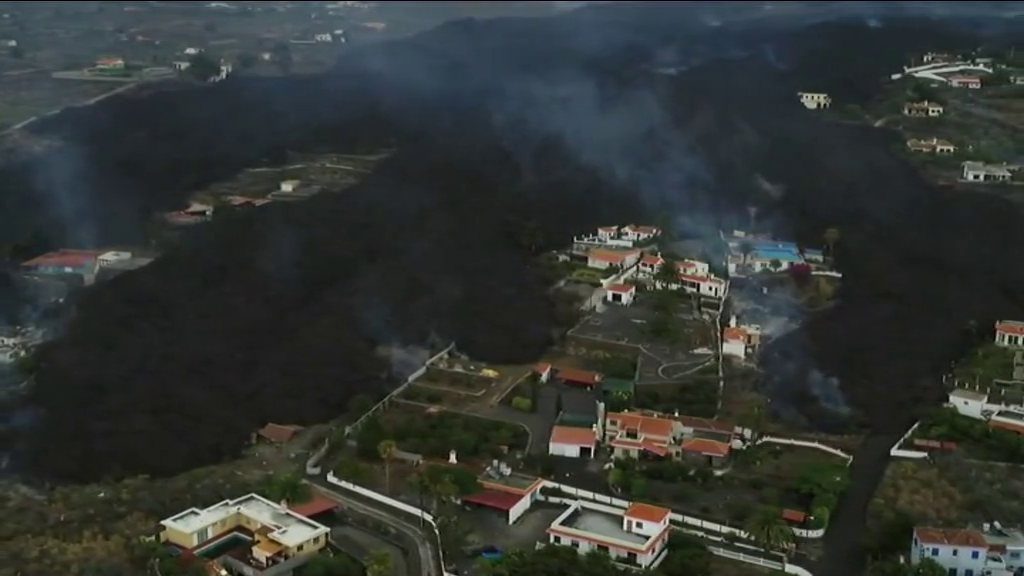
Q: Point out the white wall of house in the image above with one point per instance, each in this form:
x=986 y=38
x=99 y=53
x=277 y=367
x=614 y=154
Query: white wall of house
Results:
x=108 y=258
x=517 y=511
x=959 y=558
x=567 y=450
x=1009 y=340
x=735 y=348
x=584 y=546
x=968 y=406
x=623 y=298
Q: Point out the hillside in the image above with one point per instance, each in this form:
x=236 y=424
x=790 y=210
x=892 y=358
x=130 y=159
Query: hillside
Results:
x=274 y=315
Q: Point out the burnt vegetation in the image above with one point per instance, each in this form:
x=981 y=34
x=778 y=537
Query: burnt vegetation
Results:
x=274 y=314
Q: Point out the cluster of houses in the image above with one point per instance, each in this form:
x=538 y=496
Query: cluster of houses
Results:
x=197 y=212
x=754 y=254
x=984 y=401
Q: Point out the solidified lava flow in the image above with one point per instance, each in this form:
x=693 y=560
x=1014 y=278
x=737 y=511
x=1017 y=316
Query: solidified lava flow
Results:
x=501 y=127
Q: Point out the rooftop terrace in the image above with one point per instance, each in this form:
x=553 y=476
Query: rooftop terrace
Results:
x=601 y=525
x=288 y=528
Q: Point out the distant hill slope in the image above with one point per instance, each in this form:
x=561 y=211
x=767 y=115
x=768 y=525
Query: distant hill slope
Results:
x=274 y=315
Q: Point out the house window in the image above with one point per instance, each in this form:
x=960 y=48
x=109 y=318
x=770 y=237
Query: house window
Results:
x=301 y=546
x=556 y=539
x=968 y=572
x=956 y=552
x=975 y=554
x=1014 y=555
x=935 y=551
x=639 y=525
x=574 y=543
x=952 y=572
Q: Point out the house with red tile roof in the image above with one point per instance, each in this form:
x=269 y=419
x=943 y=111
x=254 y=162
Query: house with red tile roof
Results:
x=623 y=294
x=604 y=259
x=959 y=551
x=631 y=434
x=83 y=263
x=636 y=536
x=572 y=442
x=577 y=377
x=1010 y=333
x=620 y=236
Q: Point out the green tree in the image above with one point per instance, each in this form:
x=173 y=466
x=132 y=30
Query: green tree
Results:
x=370 y=435
x=386 y=450
x=378 y=563
x=553 y=561
x=666 y=274
x=746 y=249
x=202 y=68
x=285 y=488
x=769 y=530
x=351 y=470
x=776 y=265
x=687 y=556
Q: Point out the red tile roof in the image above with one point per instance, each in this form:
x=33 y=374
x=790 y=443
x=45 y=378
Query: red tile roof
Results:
x=954 y=537
x=794 y=516
x=318 y=505
x=62 y=258
x=579 y=376
x=1010 y=327
x=644 y=425
x=1018 y=428
x=647 y=512
x=621 y=288
x=279 y=433
x=573 y=436
x=731 y=334
x=705 y=447
x=495 y=499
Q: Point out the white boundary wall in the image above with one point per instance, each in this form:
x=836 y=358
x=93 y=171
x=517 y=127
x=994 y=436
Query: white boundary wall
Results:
x=700 y=527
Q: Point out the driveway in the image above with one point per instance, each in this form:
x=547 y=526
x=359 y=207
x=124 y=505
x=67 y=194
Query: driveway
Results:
x=539 y=422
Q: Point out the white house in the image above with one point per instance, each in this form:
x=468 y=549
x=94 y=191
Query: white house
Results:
x=191 y=51
x=815 y=100
x=619 y=259
x=572 y=442
x=981 y=172
x=508 y=492
x=969 y=403
x=110 y=63
x=108 y=258
x=1010 y=333
x=710 y=286
x=649 y=265
x=323 y=38
x=960 y=552
x=636 y=536
x=623 y=294
x=923 y=109
x=734 y=342
x=635 y=233
x=973 y=82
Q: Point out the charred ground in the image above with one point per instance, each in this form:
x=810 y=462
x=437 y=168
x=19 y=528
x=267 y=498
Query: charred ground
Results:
x=274 y=314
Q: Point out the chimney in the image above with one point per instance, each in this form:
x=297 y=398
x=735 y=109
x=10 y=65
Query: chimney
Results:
x=283 y=504
x=732 y=321
x=452 y=459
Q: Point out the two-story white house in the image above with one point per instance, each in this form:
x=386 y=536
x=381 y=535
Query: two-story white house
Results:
x=1010 y=333
x=636 y=536
x=815 y=100
x=631 y=434
x=962 y=552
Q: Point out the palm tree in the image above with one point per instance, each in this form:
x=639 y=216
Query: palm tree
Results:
x=386 y=449
x=831 y=236
x=378 y=563
x=769 y=530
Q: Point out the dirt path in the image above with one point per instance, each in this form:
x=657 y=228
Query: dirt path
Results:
x=843 y=542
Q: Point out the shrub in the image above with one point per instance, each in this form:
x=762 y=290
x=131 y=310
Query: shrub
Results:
x=522 y=403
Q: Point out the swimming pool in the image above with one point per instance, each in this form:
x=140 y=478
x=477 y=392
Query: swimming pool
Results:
x=223 y=546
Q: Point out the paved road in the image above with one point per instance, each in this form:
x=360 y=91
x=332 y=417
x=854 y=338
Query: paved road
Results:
x=363 y=543
x=419 y=562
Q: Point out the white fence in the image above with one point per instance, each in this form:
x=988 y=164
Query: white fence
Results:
x=807 y=444
x=313 y=464
x=898 y=452
x=383 y=403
